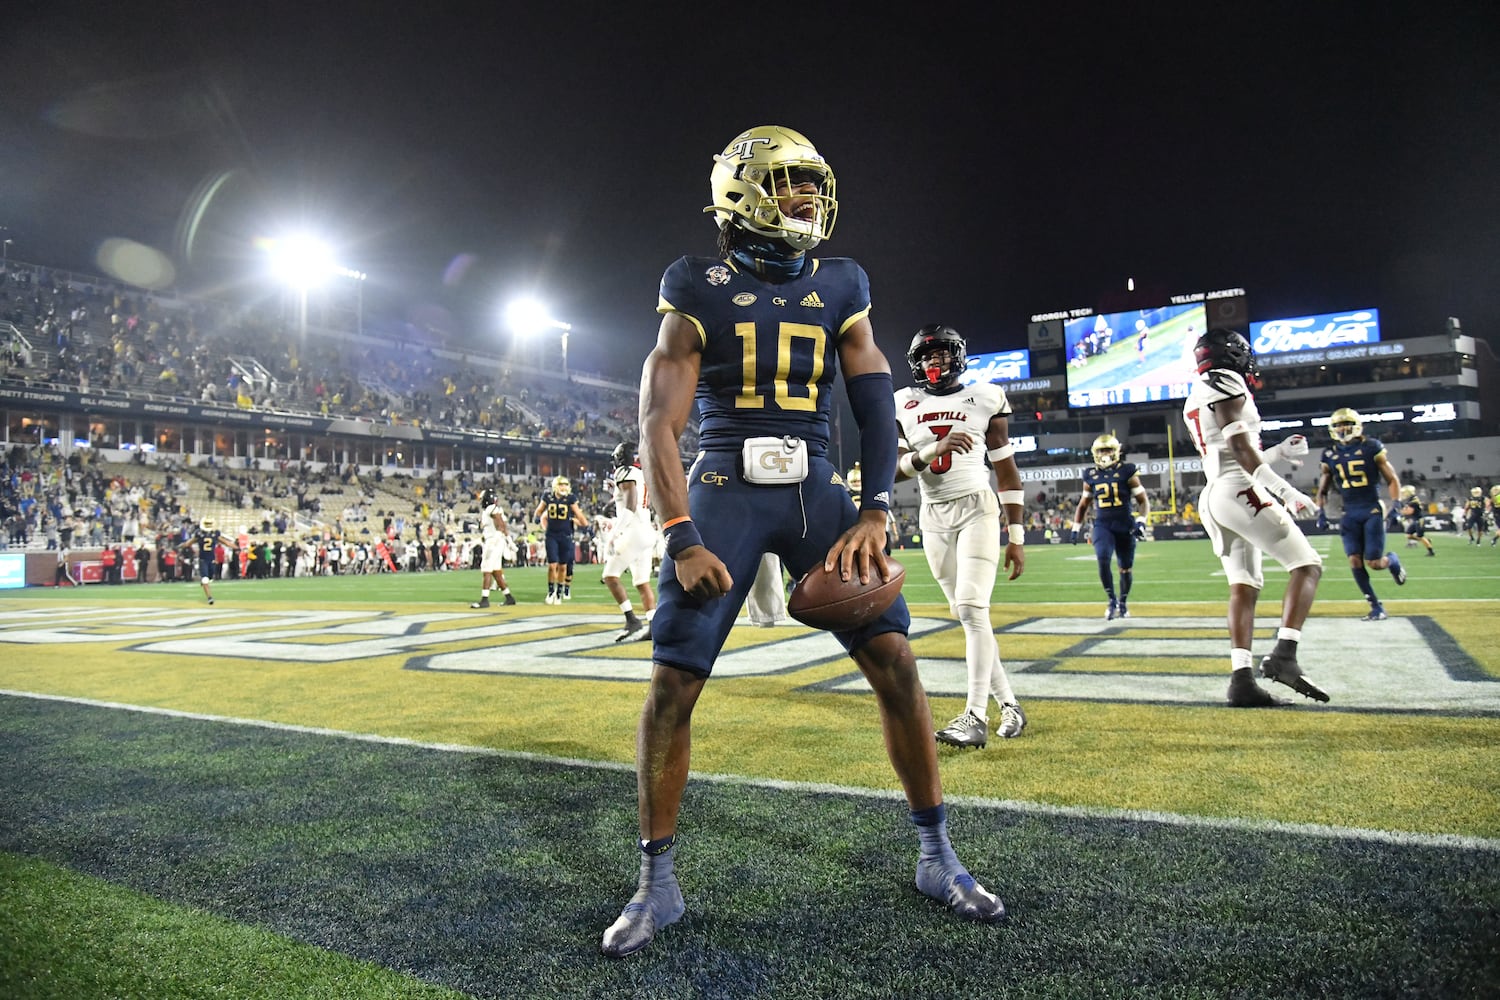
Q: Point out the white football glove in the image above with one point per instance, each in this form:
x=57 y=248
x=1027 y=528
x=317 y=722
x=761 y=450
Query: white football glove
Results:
x=1291 y=450
x=1299 y=503
x=1296 y=501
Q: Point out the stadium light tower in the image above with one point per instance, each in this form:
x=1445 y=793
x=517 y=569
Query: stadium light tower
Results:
x=303 y=262
x=528 y=317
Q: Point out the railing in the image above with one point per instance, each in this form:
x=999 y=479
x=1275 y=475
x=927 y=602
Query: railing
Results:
x=14 y=335
x=252 y=371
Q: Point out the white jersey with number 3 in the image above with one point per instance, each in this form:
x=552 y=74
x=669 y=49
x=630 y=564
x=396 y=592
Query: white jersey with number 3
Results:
x=926 y=417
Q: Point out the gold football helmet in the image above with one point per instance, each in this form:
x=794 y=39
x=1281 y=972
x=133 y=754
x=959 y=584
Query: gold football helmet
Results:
x=1495 y=492
x=855 y=479
x=1344 y=425
x=1106 y=450
x=207 y=524
x=745 y=178
x=1476 y=492
x=561 y=486
x=1408 y=492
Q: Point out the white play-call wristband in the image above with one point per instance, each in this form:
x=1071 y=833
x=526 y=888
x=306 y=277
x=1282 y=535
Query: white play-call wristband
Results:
x=1017 y=533
x=1265 y=476
x=927 y=452
x=1238 y=427
x=1013 y=496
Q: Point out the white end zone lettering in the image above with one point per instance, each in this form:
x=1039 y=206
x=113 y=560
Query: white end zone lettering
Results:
x=1421 y=669
x=1412 y=674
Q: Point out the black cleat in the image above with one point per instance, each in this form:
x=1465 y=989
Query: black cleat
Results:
x=483 y=602
x=1245 y=693
x=510 y=599
x=1284 y=670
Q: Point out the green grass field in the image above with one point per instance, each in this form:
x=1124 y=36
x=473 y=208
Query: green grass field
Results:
x=358 y=787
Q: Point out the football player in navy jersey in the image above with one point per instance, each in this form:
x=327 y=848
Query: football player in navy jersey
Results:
x=756 y=336
x=1474 y=515
x=1110 y=487
x=1411 y=514
x=201 y=543
x=559 y=514
x=1354 y=465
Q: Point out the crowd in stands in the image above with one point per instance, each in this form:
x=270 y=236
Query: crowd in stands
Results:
x=274 y=521
x=95 y=336
x=273 y=517
x=284 y=517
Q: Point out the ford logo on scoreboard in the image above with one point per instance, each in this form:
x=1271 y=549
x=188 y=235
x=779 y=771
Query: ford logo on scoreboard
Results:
x=1308 y=333
x=1006 y=366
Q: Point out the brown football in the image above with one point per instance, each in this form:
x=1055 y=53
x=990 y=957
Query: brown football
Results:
x=824 y=601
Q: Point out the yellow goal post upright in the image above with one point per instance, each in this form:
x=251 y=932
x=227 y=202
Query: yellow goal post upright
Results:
x=1173 y=509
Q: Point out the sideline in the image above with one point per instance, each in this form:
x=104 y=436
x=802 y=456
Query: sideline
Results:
x=1404 y=839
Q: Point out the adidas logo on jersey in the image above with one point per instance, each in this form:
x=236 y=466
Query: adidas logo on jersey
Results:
x=883 y=497
x=811 y=299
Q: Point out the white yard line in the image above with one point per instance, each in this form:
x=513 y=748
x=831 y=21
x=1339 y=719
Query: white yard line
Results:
x=1007 y=805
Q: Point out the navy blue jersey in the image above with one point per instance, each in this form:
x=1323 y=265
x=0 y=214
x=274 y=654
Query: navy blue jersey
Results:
x=769 y=360
x=1412 y=512
x=202 y=543
x=559 y=513
x=1356 y=474
x=1111 y=490
x=770 y=351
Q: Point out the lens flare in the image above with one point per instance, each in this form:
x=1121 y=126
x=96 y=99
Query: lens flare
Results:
x=135 y=264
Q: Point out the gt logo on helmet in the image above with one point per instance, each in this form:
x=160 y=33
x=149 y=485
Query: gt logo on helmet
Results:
x=771 y=181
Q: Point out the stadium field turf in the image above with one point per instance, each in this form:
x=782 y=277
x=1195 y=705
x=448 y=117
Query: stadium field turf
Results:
x=360 y=787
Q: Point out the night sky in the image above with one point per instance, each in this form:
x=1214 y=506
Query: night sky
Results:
x=989 y=167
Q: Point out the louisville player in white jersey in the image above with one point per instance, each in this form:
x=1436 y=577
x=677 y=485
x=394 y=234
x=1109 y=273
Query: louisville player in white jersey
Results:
x=496 y=548
x=942 y=423
x=1242 y=519
x=631 y=543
